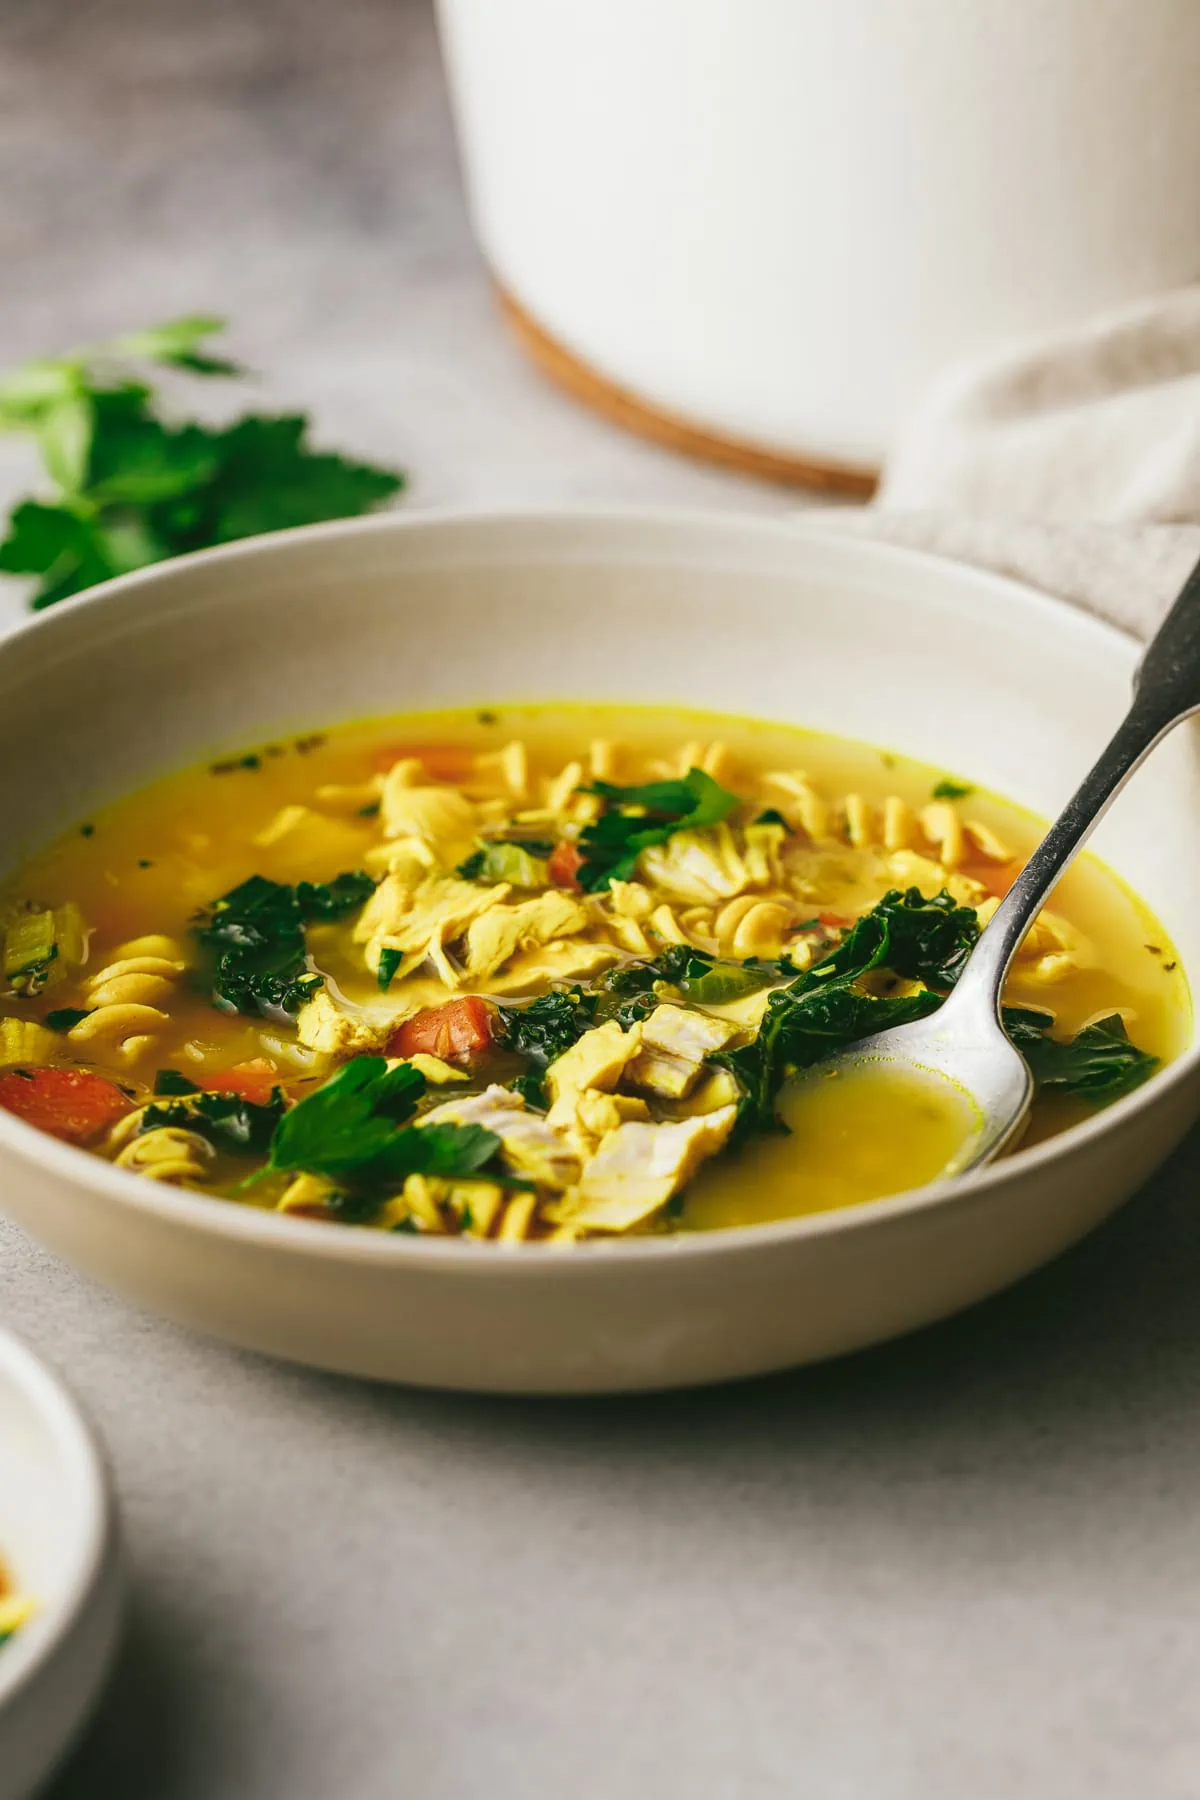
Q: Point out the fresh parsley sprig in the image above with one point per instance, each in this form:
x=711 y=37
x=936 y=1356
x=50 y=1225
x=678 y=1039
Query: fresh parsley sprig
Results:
x=132 y=488
x=355 y=1128
x=637 y=817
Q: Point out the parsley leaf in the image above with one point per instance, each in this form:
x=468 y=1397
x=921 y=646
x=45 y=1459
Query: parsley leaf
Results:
x=355 y=1127
x=948 y=789
x=637 y=817
x=350 y=1119
x=133 y=488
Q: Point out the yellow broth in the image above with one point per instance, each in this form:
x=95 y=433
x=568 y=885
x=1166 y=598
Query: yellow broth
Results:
x=852 y=1136
x=147 y=865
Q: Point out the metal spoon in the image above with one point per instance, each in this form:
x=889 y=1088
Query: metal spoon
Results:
x=964 y=1041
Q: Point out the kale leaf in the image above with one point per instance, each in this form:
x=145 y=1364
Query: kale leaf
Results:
x=64 y=1017
x=826 y=1008
x=800 y=1028
x=255 y=937
x=133 y=489
x=226 y=1120
x=1099 y=1064
x=637 y=817
x=823 y=1010
x=545 y=1028
x=926 y=940
x=172 y=1081
x=321 y=900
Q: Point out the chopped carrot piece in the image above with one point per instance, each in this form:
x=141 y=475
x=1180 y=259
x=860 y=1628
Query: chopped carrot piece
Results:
x=454 y=1031
x=564 y=863
x=70 y=1104
x=251 y=1081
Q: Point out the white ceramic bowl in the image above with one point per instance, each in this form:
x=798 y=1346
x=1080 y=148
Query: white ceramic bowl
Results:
x=226 y=648
x=58 y=1536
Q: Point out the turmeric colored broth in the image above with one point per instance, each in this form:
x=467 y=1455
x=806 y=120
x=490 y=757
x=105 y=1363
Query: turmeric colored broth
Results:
x=145 y=867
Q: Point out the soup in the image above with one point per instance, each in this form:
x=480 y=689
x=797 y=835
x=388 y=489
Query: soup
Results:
x=550 y=972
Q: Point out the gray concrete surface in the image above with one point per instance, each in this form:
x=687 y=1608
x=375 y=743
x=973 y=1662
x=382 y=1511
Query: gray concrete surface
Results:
x=960 y=1568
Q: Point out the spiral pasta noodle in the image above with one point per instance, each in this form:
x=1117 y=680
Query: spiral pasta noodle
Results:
x=125 y=999
x=168 y=1154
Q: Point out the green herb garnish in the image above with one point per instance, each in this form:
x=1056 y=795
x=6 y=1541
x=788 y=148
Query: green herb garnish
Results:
x=131 y=489
x=637 y=817
x=355 y=1127
x=947 y=789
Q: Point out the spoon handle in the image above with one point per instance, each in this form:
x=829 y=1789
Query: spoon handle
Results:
x=1166 y=689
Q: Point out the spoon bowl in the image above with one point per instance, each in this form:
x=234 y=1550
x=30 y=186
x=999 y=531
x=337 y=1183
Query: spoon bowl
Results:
x=965 y=1041
x=972 y=1052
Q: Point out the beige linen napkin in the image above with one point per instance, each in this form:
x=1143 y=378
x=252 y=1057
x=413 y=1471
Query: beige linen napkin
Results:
x=1072 y=463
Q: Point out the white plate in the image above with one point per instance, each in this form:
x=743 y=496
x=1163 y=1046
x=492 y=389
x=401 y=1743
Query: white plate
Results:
x=58 y=1537
x=959 y=668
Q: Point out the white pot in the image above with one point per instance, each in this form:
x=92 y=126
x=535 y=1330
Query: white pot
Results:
x=778 y=220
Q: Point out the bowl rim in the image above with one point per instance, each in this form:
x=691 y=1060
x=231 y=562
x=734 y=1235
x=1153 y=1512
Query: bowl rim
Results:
x=217 y=1217
x=25 y=1657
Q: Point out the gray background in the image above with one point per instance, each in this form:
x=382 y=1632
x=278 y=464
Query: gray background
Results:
x=960 y=1567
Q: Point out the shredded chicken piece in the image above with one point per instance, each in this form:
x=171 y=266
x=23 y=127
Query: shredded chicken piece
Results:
x=529 y=1144
x=322 y=1025
x=441 y=816
x=639 y=1167
x=502 y=930
x=703 y=866
x=674 y=1045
